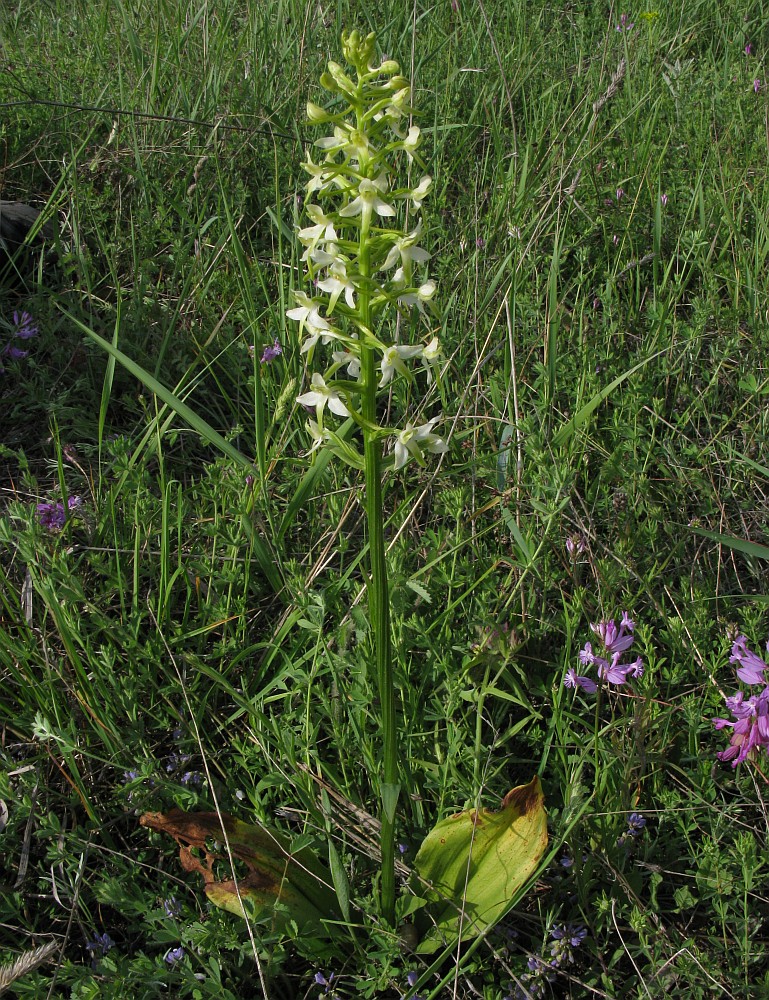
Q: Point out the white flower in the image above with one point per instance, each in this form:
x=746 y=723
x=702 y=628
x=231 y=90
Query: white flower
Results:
x=412 y=441
x=307 y=312
x=322 y=230
x=320 y=394
x=318 y=176
x=309 y=318
x=321 y=177
x=333 y=142
x=320 y=436
x=412 y=142
x=431 y=356
x=336 y=283
x=392 y=361
x=368 y=200
x=421 y=191
x=351 y=360
x=405 y=250
x=321 y=257
x=432 y=352
x=352 y=141
x=358 y=146
x=313 y=336
x=418 y=298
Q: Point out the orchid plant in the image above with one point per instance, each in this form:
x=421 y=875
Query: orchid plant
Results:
x=364 y=261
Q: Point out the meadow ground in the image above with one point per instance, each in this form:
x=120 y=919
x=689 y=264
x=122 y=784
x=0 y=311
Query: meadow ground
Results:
x=184 y=621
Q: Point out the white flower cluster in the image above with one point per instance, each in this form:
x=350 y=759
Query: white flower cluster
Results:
x=358 y=261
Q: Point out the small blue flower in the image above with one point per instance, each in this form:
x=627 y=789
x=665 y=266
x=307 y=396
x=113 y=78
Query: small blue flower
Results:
x=176 y=760
x=172 y=907
x=321 y=980
x=24 y=326
x=174 y=955
x=101 y=944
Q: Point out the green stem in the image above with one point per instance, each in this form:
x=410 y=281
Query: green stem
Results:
x=378 y=594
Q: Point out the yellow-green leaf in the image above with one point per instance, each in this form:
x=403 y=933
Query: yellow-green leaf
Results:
x=476 y=862
x=274 y=874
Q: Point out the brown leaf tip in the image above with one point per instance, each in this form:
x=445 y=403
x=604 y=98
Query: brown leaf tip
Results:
x=524 y=798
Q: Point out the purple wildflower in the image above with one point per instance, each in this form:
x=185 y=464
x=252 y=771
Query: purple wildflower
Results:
x=53 y=516
x=271 y=352
x=101 y=944
x=131 y=775
x=635 y=824
x=616 y=672
x=566 y=937
x=24 y=326
x=616 y=640
x=536 y=964
x=575 y=546
x=322 y=980
x=664 y=199
x=22 y=329
x=174 y=955
x=574 y=934
x=412 y=978
x=625 y=24
x=750 y=731
x=566 y=861
x=752 y=667
x=748 y=49
x=194 y=778
x=574 y=680
x=14 y=353
x=175 y=761
x=172 y=908
x=620 y=194
x=756 y=86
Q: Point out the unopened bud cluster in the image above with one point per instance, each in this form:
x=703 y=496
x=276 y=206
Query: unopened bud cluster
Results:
x=358 y=261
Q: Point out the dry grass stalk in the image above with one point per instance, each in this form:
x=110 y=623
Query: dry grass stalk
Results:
x=611 y=90
x=28 y=961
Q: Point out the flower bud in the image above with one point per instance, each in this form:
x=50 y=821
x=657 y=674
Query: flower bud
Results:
x=389 y=68
x=358 y=50
x=316 y=114
x=340 y=78
x=401 y=98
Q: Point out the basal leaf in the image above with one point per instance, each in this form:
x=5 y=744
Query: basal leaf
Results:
x=296 y=880
x=475 y=863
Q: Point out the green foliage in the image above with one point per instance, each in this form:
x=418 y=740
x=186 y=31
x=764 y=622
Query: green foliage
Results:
x=197 y=636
